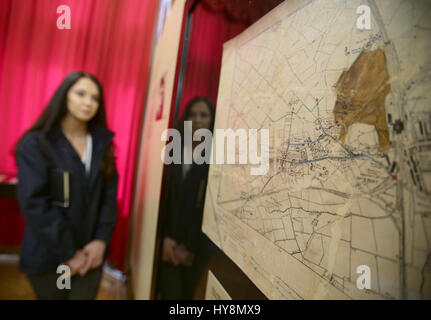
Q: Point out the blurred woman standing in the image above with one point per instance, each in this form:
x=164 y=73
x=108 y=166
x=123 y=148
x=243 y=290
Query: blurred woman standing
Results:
x=186 y=249
x=67 y=190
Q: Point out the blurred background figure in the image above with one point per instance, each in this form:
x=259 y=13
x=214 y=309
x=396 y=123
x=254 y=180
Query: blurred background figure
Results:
x=186 y=250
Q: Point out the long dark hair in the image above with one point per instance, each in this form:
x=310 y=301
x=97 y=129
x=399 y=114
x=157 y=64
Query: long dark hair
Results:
x=57 y=109
x=188 y=108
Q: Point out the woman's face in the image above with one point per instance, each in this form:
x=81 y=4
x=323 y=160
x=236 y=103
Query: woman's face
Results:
x=200 y=116
x=83 y=99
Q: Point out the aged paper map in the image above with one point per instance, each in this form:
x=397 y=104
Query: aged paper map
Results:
x=214 y=289
x=349 y=183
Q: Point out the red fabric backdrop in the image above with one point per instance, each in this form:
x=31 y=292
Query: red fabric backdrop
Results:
x=215 y=22
x=210 y=29
x=111 y=39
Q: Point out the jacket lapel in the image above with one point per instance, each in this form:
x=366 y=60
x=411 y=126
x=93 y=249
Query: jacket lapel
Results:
x=67 y=154
x=102 y=138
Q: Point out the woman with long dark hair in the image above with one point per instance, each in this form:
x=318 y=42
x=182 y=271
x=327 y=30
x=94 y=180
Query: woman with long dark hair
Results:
x=67 y=186
x=186 y=250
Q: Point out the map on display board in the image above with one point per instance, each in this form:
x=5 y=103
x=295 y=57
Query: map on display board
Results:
x=344 y=210
x=214 y=289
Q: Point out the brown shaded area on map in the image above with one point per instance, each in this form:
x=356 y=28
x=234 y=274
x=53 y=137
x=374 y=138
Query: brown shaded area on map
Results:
x=361 y=93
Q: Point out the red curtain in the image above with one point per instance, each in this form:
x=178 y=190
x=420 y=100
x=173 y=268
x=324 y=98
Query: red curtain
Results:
x=247 y=11
x=213 y=23
x=210 y=29
x=111 y=39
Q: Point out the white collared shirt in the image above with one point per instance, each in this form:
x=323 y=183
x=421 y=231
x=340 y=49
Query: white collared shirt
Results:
x=86 y=160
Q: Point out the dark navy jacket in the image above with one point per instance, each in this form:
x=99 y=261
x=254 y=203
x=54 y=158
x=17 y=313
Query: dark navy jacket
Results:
x=53 y=234
x=183 y=222
x=186 y=197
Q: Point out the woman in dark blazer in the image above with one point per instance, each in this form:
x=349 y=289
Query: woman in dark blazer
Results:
x=186 y=250
x=67 y=186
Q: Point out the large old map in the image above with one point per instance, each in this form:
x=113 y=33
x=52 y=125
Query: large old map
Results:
x=349 y=184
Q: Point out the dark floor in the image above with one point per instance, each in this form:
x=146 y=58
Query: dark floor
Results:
x=15 y=286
